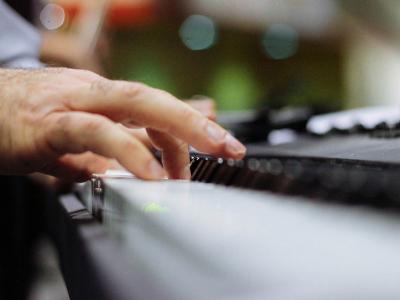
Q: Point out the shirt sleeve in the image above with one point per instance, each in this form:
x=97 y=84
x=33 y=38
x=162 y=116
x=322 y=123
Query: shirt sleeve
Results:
x=19 y=41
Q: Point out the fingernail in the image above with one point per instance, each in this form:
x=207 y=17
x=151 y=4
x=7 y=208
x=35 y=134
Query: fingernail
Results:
x=156 y=170
x=234 y=146
x=215 y=133
x=185 y=173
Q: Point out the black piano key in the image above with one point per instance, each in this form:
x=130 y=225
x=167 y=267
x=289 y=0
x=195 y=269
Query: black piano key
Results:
x=333 y=180
x=275 y=167
x=217 y=170
x=229 y=174
x=332 y=177
x=262 y=182
x=249 y=182
x=254 y=165
x=382 y=126
x=211 y=170
x=195 y=161
x=198 y=169
x=243 y=177
x=203 y=172
x=235 y=171
x=359 y=128
x=250 y=172
x=220 y=174
x=293 y=169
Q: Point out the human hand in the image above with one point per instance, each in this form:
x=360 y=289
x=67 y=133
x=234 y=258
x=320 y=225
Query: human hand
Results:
x=50 y=116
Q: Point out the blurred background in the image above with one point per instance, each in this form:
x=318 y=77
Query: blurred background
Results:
x=328 y=54
x=244 y=54
x=324 y=54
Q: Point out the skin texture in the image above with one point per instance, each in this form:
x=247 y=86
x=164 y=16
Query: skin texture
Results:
x=68 y=123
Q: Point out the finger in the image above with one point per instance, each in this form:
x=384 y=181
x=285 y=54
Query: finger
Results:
x=78 y=167
x=67 y=173
x=88 y=161
x=77 y=132
x=151 y=108
x=204 y=105
x=44 y=179
x=175 y=154
x=141 y=135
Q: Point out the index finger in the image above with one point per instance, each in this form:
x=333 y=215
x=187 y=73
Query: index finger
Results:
x=124 y=101
x=77 y=132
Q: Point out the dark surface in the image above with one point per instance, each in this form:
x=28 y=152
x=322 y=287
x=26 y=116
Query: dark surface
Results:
x=92 y=264
x=76 y=263
x=22 y=223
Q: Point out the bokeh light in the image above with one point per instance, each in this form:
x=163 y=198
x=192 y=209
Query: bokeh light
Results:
x=280 y=41
x=198 y=32
x=235 y=86
x=52 y=16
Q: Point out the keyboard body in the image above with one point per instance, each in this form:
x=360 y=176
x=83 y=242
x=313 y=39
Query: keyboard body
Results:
x=192 y=240
x=316 y=219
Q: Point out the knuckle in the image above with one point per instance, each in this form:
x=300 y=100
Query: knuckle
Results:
x=95 y=125
x=56 y=132
x=131 y=90
x=60 y=125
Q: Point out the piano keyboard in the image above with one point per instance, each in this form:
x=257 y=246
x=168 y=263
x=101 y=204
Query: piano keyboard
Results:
x=193 y=240
x=347 y=181
x=266 y=227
